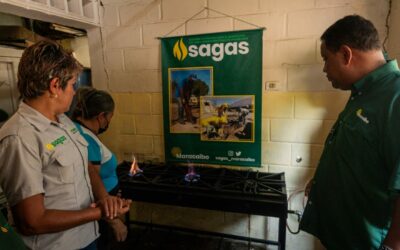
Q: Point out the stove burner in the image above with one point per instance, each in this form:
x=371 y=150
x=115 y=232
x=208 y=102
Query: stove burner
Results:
x=250 y=185
x=191 y=175
x=134 y=170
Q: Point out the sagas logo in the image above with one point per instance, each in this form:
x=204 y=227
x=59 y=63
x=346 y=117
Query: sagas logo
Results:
x=180 y=50
x=53 y=144
x=217 y=51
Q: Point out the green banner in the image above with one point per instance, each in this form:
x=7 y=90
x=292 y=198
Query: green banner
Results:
x=212 y=91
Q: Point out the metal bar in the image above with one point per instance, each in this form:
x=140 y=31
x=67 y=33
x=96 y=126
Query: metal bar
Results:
x=215 y=234
x=282 y=233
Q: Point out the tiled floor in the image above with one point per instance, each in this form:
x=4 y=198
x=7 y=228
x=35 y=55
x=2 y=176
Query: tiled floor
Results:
x=141 y=238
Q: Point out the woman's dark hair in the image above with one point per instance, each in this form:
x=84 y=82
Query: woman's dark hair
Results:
x=353 y=31
x=40 y=63
x=90 y=102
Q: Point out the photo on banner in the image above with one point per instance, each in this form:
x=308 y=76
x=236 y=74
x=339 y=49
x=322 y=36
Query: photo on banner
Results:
x=227 y=118
x=187 y=86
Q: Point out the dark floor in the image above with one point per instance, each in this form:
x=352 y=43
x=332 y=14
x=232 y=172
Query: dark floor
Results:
x=142 y=238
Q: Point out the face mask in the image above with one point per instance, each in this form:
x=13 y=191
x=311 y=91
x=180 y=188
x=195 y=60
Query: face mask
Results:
x=102 y=130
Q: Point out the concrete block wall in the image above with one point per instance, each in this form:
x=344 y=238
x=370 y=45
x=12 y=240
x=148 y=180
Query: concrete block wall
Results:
x=299 y=108
x=393 y=42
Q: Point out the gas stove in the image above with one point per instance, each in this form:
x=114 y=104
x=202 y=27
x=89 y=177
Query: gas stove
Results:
x=225 y=189
x=248 y=192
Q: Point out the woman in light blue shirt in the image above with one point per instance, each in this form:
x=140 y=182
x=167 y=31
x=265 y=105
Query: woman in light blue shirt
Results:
x=92 y=115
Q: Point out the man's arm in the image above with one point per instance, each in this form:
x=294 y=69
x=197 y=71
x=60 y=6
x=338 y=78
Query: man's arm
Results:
x=307 y=188
x=391 y=148
x=392 y=238
x=31 y=217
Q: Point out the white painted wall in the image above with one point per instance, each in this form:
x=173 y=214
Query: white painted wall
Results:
x=80 y=46
x=393 y=43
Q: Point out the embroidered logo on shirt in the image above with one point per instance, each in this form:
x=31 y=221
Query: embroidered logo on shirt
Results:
x=52 y=145
x=363 y=118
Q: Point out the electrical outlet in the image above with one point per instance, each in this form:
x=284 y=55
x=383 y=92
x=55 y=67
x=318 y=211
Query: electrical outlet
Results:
x=272 y=85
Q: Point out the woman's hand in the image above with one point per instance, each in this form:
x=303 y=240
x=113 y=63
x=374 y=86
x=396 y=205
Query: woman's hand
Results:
x=119 y=228
x=113 y=206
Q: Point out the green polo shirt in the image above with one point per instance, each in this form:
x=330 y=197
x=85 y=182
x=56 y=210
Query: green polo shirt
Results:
x=358 y=176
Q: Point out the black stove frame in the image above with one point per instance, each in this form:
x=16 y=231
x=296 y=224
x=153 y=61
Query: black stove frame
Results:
x=248 y=192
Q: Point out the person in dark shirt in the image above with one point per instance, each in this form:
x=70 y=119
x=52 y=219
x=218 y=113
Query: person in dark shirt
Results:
x=354 y=200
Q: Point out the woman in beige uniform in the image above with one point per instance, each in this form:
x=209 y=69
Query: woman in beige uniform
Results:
x=54 y=197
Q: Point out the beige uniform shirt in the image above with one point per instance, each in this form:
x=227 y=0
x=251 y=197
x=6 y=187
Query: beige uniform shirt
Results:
x=38 y=156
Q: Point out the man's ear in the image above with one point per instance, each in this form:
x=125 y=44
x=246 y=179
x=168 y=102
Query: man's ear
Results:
x=54 y=85
x=347 y=54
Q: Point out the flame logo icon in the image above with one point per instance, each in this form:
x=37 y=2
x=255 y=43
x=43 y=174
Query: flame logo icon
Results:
x=180 y=50
x=176 y=151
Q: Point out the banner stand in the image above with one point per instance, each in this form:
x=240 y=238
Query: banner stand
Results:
x=216 y=11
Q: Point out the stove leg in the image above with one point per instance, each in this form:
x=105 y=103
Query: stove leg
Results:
x=282 y=233
x=128 y=221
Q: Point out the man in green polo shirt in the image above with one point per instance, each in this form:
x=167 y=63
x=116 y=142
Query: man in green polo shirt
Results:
x=353 y=202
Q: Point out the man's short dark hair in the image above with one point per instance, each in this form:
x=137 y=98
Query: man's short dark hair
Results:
x=353 y=31
x=40 y=63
